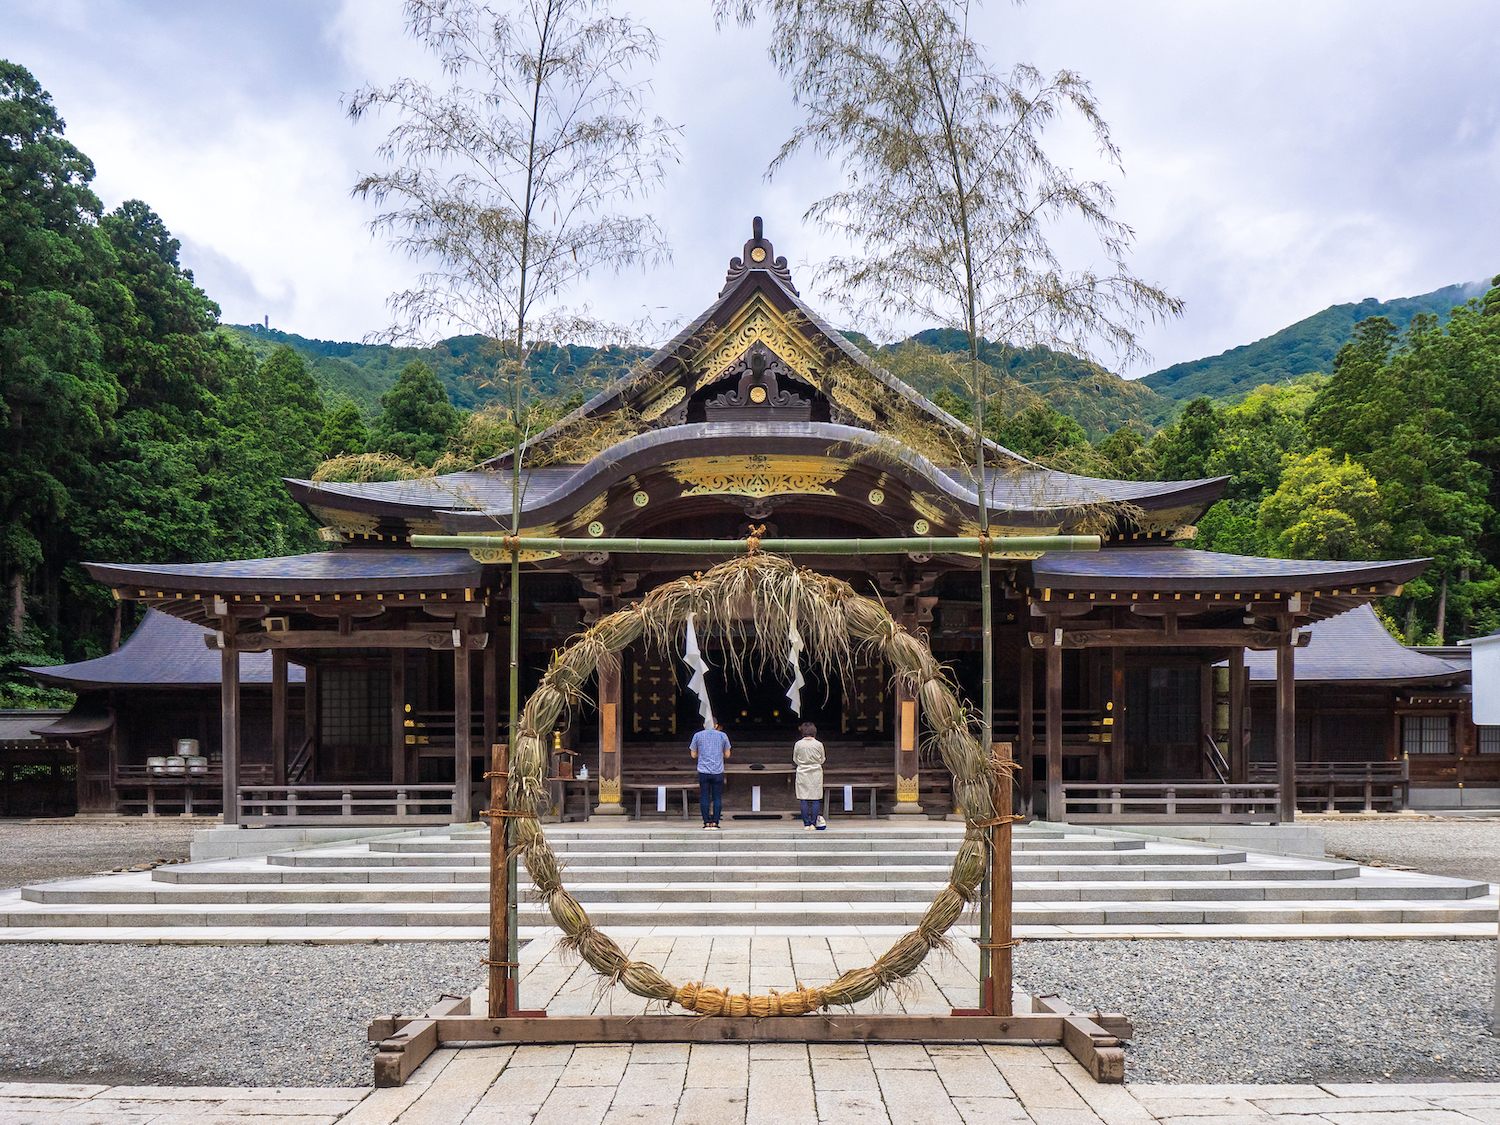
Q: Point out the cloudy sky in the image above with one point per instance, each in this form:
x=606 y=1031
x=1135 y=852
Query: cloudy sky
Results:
x=1279 y=156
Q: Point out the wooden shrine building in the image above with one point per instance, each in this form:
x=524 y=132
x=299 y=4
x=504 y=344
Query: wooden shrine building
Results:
x=134 y=706
x=758 y=413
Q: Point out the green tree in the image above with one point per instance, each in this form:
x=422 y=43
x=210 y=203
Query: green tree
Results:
x=416 y=419
x=1126 y=456
x=56 y=395
x=1039 y=433
x=1182 y=450
x=1325 y=508
x=343 y=432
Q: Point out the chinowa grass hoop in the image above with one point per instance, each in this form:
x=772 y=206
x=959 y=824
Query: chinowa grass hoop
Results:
x=837 y=626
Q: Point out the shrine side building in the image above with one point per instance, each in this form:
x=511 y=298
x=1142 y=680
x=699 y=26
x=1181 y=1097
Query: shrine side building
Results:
x=757 y=414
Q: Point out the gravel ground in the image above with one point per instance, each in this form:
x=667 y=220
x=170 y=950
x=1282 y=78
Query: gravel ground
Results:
x=1222 y=1011
x=33 y=851
x=1284 y=1011
x=168 y=1015
x=1466 y=847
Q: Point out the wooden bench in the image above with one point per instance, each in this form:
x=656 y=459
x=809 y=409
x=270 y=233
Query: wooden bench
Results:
x=640 y=788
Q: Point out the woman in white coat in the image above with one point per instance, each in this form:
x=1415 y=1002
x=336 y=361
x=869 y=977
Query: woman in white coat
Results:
x=808 y=757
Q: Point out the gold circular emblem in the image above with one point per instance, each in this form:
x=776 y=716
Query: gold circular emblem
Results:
x=876 y=496
x=640 y=499
x=757 y=394
x=758 y=254
x=596 y=529
x=921 y=527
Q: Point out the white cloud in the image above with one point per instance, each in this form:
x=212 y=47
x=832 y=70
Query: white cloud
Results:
x=1280 y=156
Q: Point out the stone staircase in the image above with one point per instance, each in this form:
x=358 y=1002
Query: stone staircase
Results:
x=872 y=876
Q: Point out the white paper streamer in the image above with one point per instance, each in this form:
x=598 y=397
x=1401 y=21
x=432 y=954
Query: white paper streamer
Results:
x=794 y=653
x=694 y=660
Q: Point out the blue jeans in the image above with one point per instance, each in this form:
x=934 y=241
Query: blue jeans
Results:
x=711 y=796
x=810 y=811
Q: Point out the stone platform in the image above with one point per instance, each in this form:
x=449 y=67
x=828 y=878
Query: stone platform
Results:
x=857 y=878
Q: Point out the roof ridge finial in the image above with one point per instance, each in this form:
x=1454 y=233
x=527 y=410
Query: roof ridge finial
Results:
x=758 y=255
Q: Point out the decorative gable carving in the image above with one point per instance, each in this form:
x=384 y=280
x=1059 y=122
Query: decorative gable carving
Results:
x=763 y=392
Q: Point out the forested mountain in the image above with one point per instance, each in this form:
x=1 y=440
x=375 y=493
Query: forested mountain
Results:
x=464 y=365
x=1304 y=348
x=1096 y=399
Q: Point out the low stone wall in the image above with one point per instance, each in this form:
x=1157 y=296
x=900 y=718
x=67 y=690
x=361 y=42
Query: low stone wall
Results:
x=1273 y=839
x=235 y=842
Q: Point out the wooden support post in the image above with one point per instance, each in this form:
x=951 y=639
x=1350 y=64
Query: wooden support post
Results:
x=229 y=720
x=312 y=718
x=1055 y=809
x=278 y=716
x=1001 y=891
x=1238 y=766
x=463 y=752
x=1286 y=733
x=499 y=883
x=1027 y=701
x=491 y=693
x=611 y=738
x=398 y=716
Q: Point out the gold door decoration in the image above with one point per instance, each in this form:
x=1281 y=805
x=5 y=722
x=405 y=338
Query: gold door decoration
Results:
x=653 y=697
x=756 y=474
x=864 y=703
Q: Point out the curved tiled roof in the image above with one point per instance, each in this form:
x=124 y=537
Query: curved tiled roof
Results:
x=472 y=501
x=1171 y=568
x=162 y=652
x=1354 y=646
x=325 y=572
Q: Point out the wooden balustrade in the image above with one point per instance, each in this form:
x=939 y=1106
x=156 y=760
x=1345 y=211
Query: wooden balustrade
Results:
x=1163 y=802
x=346 y=805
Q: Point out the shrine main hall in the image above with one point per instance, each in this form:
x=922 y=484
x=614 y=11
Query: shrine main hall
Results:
x=1120 y=673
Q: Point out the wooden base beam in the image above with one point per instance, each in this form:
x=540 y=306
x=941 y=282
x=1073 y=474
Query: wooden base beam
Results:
x=405 y=1047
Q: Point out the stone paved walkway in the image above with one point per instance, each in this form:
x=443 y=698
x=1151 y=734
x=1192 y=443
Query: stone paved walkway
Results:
x=756 y=1084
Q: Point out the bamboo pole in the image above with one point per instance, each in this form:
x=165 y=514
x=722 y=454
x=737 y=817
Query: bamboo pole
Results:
x=499 y=883
x=1018 y=546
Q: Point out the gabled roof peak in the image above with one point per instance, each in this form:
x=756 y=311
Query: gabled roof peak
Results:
x=758 y=255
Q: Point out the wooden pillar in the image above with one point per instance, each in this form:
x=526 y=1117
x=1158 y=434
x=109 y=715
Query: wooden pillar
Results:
x=1054 y=722
x=1239 y=769
x=1027 y=721
x=499 y=977
x=229 y=721
x=313 y=718
x=1114 y=676
x=491 y=692
x=1001 y=888
x=1286 y=732
x=278 y=716
x=611 y=738
x=398 y=716
x=908 y=779
x=463 y=721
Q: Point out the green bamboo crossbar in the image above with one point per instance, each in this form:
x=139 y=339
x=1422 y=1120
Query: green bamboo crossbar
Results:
x=996 y=546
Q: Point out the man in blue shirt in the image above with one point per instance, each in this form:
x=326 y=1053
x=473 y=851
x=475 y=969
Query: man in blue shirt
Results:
x=710 y=746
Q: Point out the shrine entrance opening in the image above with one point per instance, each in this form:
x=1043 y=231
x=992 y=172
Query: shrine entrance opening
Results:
x=855 y=722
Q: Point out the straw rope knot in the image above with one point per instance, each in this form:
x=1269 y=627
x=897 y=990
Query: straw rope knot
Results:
x=752 y=544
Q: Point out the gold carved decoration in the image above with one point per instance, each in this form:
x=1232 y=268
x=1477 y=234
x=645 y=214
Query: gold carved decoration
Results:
x=756 y=475
x=663 y=404
x=609 y=790
x=907 y=790
x=759 y=324
x=350 y=523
